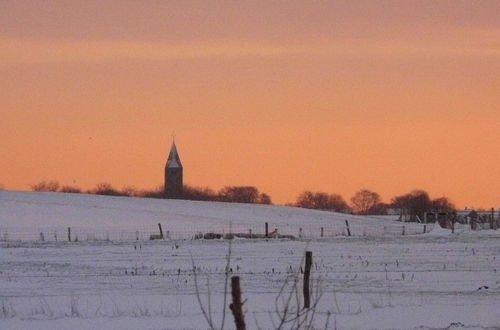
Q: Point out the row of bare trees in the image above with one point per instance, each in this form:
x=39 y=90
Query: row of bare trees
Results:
x=231 y=194
x=366 y=201
x=99 y=189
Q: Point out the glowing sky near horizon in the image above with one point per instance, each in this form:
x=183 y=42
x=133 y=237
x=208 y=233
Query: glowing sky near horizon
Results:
x=327 y=96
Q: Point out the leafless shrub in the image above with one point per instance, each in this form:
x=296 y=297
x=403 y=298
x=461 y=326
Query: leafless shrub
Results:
x=74 y=312
x=45 y=186
x=158 y=192
x=289 y=310
x=7 y=310
x=43 y=309
x=104 y=188
x=207 y=310
x=70 y=189
x=129 y=190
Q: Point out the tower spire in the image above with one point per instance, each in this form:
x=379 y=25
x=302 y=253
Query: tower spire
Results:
x=173 y=157
x=173 y=173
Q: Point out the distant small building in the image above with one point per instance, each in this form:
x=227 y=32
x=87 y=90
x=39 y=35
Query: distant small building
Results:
x=392 y=211
x=465 y=216
x=173 y=174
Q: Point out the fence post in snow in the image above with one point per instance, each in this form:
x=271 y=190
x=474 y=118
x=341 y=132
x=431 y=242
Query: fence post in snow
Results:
x=300 y=232
x=425 y=228
x=403 y=230
x=452 y=224
x=267 y=230
x=161 y=231
x=69 y=234
x=495 y=223
x=235 y=306
x=307 y=274
x=322 y=231
x=348 y=230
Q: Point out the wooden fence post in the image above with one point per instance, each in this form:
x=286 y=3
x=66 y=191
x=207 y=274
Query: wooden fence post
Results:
x=307 y=274
x=161 y=231
x=235 y=306
x=403 y=230
x=322 y=231
x=69 y=234
x=492 y=223
x=425 y=228
x=267 y=230
x=348 y=230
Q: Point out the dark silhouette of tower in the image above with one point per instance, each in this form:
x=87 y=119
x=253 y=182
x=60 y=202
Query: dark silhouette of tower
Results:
x=173 y=174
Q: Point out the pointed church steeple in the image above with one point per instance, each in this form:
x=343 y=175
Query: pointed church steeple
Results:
x=173 y=174
x=173 y=157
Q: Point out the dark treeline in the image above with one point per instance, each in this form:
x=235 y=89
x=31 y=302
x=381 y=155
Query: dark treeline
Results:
x=231 y=194
x=414 y=203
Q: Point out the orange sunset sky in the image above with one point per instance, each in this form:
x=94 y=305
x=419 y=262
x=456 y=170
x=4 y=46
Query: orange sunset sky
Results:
x=329 y=96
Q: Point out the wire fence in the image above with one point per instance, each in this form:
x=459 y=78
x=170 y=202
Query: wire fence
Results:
x=212 y=231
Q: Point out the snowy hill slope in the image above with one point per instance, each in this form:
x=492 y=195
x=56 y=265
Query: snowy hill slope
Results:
x=35 y=212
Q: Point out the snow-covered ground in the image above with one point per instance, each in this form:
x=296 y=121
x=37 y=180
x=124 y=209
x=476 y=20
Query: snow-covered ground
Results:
x=435 y=280
x=24 y=215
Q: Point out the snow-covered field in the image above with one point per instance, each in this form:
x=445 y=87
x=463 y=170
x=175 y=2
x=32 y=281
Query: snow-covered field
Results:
x=434 y=280
x=24 y=215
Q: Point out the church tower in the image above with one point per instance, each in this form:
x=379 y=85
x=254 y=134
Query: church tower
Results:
x=173 y=174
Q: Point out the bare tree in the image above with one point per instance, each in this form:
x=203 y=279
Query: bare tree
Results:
x=321 y=201
x=242 y=194
x=265 y=199
x=364 y=200
x=442 y=204
x=417 y=202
